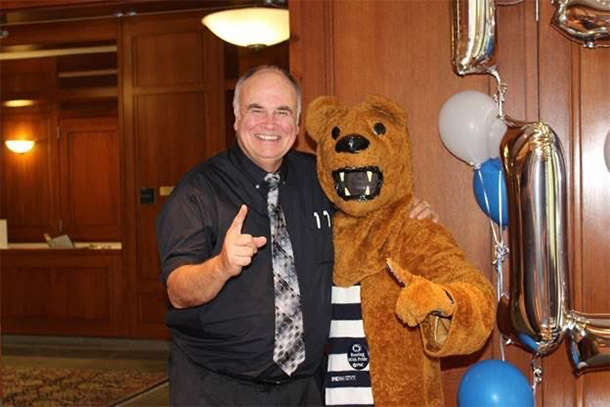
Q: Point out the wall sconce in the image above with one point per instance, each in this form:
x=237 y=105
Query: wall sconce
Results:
x=18 y=103
x=19 y=146
x=253 y=27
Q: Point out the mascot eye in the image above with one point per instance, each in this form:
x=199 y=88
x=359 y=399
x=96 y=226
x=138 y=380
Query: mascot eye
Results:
x=335 y=132
x=379 y=129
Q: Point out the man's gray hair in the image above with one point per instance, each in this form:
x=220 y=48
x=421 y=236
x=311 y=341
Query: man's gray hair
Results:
x=251 y=72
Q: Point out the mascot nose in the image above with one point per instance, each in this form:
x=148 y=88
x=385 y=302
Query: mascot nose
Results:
x=352 y=143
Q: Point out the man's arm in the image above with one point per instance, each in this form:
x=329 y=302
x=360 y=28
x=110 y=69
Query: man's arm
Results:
x=195 y=284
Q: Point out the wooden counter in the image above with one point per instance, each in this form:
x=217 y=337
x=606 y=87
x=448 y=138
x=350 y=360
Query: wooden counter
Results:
x=63 y=292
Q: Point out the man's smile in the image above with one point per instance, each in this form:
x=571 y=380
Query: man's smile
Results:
x=267 y=137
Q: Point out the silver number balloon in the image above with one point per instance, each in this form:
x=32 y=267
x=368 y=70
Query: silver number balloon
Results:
x=589 y=341
x=474 y=36
x=585 y=21
x=533 y=314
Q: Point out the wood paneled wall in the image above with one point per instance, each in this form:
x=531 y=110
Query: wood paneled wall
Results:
x=29 y=181
x=29 y=184
x=559 y=82
x=402 y=49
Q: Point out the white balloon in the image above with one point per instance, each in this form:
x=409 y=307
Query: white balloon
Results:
x=470 y=128
x=497 y=129
x=607 y=151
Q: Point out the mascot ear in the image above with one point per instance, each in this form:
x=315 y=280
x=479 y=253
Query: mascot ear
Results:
x=388 y=108
x=319 y=112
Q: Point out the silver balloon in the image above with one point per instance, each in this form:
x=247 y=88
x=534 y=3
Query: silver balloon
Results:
x=607 y=151
x=585 y=21
x=533 y=314
x=589 y=341
x=474 y=36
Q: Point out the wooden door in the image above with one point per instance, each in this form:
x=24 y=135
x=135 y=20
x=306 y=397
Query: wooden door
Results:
x=90 y=179
x=173 y=119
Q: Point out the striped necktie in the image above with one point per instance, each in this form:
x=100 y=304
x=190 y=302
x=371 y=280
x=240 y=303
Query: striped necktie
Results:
x=289 y=348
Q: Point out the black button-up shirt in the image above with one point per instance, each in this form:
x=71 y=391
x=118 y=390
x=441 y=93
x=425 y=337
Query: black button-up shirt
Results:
x=234 y=332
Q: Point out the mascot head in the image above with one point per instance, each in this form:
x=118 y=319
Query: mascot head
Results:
x=363 y=153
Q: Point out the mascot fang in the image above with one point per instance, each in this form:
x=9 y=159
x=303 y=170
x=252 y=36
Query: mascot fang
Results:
x=404 y=294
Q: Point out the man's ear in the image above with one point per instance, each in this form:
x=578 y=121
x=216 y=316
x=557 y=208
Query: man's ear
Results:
x=319 y=111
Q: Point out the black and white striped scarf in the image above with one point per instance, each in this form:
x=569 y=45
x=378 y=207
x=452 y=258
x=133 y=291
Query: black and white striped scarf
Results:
x=348 y=379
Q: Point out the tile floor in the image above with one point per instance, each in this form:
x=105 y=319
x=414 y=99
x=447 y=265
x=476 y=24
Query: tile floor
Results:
x=95 y=353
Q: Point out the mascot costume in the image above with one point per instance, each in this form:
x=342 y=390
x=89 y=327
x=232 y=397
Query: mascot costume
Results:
x=404 y=294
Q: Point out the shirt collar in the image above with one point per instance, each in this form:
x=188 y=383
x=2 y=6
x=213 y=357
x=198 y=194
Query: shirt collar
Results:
x=253 y=172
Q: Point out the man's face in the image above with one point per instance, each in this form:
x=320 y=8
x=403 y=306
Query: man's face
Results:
x=266 y=123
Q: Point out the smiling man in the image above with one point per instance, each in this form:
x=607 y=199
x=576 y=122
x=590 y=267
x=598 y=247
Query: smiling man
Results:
x=219 y=251
x=267 y=108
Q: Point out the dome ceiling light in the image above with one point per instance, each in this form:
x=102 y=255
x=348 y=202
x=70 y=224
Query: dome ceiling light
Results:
x=252 y=27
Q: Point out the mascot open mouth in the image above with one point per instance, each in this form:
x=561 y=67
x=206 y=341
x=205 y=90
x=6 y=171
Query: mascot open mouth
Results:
x=358 y=183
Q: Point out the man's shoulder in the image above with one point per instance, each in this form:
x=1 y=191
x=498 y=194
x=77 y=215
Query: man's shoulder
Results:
x=303 y=159
x=203 y=173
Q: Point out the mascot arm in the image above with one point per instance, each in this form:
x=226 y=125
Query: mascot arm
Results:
x=453 y=303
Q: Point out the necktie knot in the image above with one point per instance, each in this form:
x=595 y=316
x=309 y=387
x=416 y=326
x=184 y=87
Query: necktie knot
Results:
x=273 y=180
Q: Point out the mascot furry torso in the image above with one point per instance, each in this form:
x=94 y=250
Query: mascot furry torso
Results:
x=436 y=304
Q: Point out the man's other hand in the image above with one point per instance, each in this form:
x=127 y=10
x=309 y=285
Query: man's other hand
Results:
x=420 y=209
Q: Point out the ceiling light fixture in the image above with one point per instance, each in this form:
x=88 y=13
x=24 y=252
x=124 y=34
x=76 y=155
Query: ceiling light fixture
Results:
x=253 y=27
x=19 y=146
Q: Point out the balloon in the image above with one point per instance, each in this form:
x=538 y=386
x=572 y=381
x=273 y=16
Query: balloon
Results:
x=488 y=182
x=584 y=21
x=474 y=34
x=589 y=336
x=607 y=151
x=494 y=383
x=497 y=129
x=470 y=127
x=538 y=303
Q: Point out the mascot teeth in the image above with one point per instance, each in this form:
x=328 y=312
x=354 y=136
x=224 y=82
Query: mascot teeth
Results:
x=358 y=183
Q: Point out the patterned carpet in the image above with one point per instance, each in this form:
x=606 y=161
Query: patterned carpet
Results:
x=42 y=386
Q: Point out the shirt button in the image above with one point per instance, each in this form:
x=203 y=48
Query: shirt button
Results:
x=257 y=186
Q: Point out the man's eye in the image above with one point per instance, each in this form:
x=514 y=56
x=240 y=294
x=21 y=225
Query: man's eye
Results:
x=283 y=113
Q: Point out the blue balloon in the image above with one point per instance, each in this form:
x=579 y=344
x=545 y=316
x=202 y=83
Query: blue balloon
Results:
x=485 y=182
x=494 y=383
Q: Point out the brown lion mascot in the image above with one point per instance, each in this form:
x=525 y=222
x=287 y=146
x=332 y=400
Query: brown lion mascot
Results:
x=404 y=293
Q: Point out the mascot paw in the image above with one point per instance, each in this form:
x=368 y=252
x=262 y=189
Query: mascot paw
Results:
x=419 y=298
